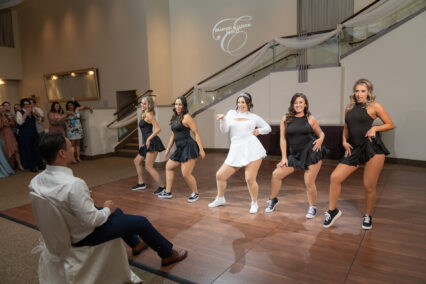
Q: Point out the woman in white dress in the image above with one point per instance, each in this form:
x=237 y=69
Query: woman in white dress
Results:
x=245 y=150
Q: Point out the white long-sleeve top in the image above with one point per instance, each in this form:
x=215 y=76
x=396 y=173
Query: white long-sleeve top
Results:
x=72 y=197
x=245 y=147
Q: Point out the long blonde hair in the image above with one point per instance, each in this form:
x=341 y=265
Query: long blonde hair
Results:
x=370 y=96
x=150 y=106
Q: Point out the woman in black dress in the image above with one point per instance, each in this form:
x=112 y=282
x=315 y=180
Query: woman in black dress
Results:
x=187 y=150
x=151 y=144
x=301 y=141
x=363 y=145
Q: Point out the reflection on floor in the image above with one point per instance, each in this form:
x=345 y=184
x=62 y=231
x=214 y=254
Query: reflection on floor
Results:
x=228 y=245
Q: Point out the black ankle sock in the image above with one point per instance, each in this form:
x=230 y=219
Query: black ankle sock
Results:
x=333 y=211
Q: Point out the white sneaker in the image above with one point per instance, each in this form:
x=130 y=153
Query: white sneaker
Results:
x=254 y=207
x=312 y=211
x=219 y=201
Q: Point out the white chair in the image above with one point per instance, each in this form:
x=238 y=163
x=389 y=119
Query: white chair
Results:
x=62 y=263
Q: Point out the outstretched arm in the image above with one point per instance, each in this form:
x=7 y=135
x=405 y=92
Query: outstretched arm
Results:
x=224 y=121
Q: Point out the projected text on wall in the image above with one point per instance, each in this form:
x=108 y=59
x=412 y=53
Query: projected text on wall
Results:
x=232 y=34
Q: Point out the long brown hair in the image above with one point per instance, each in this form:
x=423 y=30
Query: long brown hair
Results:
x=184 y=110
x=370 y=96
x=292 y=113
x=150 y=106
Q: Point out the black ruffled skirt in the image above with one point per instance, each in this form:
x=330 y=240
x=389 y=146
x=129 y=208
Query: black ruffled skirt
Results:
x=155 y=145
x=362 y=153
x=302 y=157
x=185 y=149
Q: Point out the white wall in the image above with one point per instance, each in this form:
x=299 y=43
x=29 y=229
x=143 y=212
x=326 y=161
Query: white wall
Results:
x=68 y=35
x=98 y=139
x=396 y=64
x=196 y=55
x=271 y=98
x=9 y=92
x=159 y=50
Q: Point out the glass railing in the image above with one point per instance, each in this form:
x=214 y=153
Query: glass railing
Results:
x=277 y=58
x=356 y=36
x=280 y=58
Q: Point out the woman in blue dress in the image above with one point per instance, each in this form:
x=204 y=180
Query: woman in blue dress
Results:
x=74 y=128
x=5 y=169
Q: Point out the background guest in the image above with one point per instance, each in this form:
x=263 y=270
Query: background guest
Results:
x=74 y=129
x=56 y=118
x=28 y=137
x=39 y=115
x=9 y=141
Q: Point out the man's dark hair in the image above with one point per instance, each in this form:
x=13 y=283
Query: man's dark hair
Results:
x=50 y=144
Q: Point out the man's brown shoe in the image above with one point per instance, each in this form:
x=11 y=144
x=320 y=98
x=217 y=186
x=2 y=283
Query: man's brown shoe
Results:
x=176 y=256
x=139 y=248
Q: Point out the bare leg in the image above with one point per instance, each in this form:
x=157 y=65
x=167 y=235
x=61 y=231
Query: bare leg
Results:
x=187 y=169
x=310 y=177
x=170 y=166
x=138 y=165
x=222 y=175
x=149 y=166
x=340 y=173
x=18 y=160
x=251 y=175
x=371 y=175
x=73 y=143
x=276 y=180
x=77 y=150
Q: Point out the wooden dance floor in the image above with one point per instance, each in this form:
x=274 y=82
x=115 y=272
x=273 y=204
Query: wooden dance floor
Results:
x=228 y=245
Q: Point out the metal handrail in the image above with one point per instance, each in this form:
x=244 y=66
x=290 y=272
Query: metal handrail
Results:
x=132 y=102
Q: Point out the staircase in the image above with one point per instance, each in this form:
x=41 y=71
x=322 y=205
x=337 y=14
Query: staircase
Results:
x=129 y=147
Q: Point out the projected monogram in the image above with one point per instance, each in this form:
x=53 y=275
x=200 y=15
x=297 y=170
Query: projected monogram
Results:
x=232 y=34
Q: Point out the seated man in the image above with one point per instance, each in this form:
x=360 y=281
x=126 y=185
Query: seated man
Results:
x=89 y=225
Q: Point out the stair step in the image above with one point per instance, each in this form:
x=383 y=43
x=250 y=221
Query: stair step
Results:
x=131 y=146
x=126 y=152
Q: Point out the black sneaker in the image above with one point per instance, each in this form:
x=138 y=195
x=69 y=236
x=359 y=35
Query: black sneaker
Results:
x=139 y=186
x=159 y=190
x=272 y=203
x=193 y=197
x=367 y=222
x=331 y=217
x=165 y=194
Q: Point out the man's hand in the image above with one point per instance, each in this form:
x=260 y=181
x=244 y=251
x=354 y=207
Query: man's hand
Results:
x=110 y=205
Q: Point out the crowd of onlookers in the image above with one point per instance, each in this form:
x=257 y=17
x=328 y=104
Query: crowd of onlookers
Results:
x=21 y=129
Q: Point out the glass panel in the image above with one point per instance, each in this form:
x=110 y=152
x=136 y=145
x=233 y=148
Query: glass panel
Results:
x=324 y=53
x=353 y=37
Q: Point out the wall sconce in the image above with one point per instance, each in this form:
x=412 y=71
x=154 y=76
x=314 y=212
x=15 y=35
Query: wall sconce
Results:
x=2 y=82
